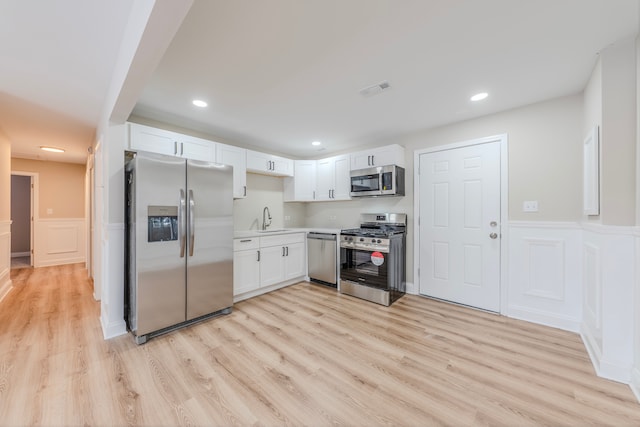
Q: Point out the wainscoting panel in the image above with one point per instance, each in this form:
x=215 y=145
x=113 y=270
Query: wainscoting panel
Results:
x=59 y=241
x=5 y=258
x=635 y=372
x=609 y=259
x=112 y=300
x=545 y=274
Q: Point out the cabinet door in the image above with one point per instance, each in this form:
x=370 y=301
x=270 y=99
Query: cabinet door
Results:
x=271 y=265
x=236 y=157
x=361 y=160
x=325 y=178
x=197 y=149
x=302 y=186
x=268 y=164
x=388 y=155
x=246 y=271
x=153 y=140
x=257 y=162
x=282 y=166
x=294 y=261
x=342 y=178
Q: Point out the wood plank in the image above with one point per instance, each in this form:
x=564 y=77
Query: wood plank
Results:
x=302 y=355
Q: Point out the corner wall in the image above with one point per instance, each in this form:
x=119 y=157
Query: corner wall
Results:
x=5 y=215
x=609 y=247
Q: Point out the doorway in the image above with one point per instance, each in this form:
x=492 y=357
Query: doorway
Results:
x=461 y=206
x=22 y=219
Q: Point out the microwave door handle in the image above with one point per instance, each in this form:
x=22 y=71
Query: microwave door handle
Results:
x=192 y=233
x=181 y=223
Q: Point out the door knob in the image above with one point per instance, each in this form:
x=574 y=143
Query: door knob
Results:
x=493 y=235
x=493 y=223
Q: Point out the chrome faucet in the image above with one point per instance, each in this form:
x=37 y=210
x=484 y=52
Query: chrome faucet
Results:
x=265 y=211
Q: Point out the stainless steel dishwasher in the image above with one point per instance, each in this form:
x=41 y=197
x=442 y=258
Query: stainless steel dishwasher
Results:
x=322 y=258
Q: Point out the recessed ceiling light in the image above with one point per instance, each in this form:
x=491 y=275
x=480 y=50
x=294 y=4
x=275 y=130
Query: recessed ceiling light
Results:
x=316 y=143
x=199 y=103
x=375 y=89
x=52 y=149
x=479 y=96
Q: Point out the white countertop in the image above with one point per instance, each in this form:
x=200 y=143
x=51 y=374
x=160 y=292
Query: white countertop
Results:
x=243 y=234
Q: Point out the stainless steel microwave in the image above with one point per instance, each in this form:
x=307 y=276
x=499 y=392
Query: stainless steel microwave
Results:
x=377 y=181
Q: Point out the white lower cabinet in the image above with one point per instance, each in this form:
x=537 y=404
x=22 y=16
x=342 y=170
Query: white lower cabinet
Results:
x=246 y=265
x=263 y=262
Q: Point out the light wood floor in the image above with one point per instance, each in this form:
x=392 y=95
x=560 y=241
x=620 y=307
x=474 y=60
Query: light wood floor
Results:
x=303 y=355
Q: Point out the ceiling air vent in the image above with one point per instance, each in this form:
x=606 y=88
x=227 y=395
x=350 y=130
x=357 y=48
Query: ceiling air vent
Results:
x=375 y=89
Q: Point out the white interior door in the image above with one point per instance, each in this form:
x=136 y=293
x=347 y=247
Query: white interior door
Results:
x=459 y=229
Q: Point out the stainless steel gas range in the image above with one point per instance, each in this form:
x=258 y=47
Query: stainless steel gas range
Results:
x=372 y=258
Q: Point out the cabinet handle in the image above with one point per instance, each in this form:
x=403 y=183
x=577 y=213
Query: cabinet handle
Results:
x=314 y=194
x=245 y=240
x=245 y=191
x=283 y=251
x=258 y=255
x=287 y=250
x=373 y=162
x=175 y=148
x=181 y=148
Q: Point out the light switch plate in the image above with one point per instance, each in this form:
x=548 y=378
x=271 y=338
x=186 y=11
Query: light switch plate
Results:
x=530 y=206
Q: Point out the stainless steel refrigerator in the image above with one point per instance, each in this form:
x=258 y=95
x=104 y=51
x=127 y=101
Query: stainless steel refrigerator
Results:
x=179 y=242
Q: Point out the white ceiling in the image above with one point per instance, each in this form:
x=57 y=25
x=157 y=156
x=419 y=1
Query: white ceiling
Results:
x=279 y=74
x=55 y=69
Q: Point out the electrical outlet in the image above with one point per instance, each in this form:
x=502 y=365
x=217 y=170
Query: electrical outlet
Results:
x=530 y=206
x=287 y=218
x=332 y=217
x=49 y=211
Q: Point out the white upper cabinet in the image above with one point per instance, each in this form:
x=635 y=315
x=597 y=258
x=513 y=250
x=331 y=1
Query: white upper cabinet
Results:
x=302 y=186
x=381 y=156
x=236 y=157
x=333 y=180
x=268 y=164
x=146 y=138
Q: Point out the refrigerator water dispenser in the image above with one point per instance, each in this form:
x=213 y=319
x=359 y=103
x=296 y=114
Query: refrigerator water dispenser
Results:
x=162 y=223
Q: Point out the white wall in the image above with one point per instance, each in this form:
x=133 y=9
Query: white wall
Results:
x=262 y=191
x=5 y=215
x=618 y=133
x=635 y=372
x=545 y=152
x=149 y=31
x=609 y=249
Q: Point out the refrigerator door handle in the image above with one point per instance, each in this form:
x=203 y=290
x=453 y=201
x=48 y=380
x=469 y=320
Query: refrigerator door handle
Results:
x=182 y=223
x=192 y=233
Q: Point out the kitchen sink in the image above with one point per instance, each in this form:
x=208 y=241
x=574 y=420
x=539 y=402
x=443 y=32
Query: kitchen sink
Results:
x=275 y=230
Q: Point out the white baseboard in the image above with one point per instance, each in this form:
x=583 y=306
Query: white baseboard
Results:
x=411 y=288
x=635 y=382
x=61 y=261
x=113 y=329
x=6 y=285
x=553 y=320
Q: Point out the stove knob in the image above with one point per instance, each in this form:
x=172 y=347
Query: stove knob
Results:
x=379 y=241
x=362 y=239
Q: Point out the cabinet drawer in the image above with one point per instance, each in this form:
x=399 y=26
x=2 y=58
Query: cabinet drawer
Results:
x=282 y=239
x=244 y=244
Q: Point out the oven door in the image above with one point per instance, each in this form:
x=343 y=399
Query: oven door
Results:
x=365 y=267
